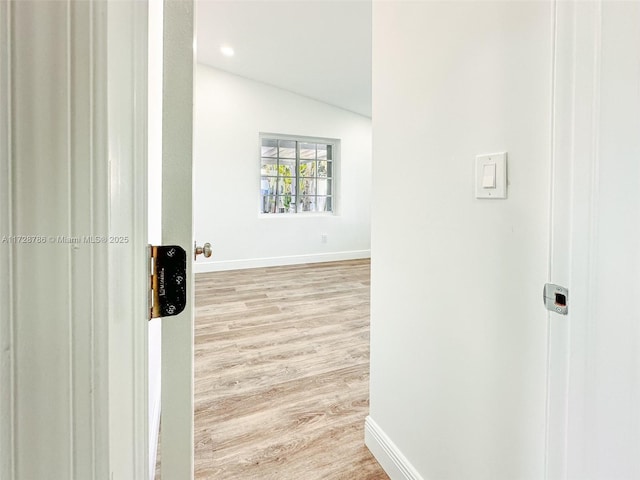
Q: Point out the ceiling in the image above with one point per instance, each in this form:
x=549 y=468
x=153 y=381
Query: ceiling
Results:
x=317 y=48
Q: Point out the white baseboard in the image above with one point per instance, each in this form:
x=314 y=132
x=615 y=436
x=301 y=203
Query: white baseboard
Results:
x=223 y=265
x=387 y=453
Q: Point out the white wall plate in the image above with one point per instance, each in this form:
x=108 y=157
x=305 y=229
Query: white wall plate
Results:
x=491 y=175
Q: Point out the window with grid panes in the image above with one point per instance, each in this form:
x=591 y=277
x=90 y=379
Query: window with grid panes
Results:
x=297 y=174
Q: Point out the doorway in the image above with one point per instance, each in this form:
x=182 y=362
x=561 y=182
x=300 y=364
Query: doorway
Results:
x=309 y=77
x=297 y=70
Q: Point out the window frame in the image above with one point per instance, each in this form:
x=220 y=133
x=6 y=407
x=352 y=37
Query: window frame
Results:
x=299 y=139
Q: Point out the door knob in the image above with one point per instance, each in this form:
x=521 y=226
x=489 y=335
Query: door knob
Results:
x=205 y=250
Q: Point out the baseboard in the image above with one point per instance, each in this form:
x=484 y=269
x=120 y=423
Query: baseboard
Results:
x=387 y=453
x=223 y=265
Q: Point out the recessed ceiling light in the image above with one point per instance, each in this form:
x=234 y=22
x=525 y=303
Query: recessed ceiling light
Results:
x=227 y=51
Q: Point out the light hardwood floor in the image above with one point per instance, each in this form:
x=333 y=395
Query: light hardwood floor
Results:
x=282 y=373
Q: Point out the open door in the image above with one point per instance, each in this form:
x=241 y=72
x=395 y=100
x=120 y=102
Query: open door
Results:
x=177 y=229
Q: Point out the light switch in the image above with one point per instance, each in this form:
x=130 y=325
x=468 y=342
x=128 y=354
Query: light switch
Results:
x=491 y=176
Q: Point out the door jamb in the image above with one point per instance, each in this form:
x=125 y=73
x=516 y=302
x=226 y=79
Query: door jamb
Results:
x=575 y=109
x=6 y=262
x=128 y=275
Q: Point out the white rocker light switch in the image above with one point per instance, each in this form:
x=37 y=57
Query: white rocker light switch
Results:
x=491 y=176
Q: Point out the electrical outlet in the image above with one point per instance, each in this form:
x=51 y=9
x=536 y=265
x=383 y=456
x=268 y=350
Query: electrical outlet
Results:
x=323 y=238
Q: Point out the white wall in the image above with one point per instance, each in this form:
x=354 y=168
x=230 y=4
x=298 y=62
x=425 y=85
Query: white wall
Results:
x=230 y=112
x=458 y=330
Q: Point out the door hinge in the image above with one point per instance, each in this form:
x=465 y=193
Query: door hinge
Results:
x=556 y=298
x=167 y=280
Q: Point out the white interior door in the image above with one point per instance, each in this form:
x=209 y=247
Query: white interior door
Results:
x=177 y=332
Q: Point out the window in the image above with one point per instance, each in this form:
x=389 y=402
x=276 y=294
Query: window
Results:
x=297 y=174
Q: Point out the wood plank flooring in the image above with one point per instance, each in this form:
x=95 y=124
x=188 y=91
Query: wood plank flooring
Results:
x=282 y=373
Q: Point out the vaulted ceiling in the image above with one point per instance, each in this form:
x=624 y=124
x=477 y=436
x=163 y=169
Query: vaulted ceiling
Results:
x=317 y=48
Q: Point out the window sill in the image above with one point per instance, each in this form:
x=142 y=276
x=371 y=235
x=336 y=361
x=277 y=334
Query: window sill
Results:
x=297 y=215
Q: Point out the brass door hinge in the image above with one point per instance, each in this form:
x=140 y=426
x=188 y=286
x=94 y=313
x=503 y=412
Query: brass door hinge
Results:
x=167 y=280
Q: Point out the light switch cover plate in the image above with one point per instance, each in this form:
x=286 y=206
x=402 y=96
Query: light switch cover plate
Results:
x=500 y=162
